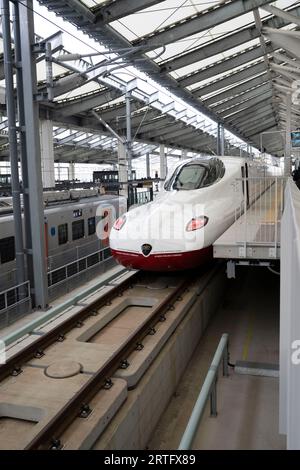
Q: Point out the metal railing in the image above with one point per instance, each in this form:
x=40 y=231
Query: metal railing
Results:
x=209 y=389
x=61 y=258
x=258 y=218
x=74 y=268
x=14 y=303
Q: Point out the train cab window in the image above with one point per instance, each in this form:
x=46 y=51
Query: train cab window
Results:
x=77 y=229
x=196 y=175
x=91 y=226
x=63 y=234
x=7 y=249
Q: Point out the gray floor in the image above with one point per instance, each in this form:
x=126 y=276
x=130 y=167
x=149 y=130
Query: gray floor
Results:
x=247 y=405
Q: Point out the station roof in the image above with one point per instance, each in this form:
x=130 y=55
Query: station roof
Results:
x=234 y=61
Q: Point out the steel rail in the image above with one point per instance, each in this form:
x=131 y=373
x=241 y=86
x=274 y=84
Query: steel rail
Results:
x=36 y=349
x=48 y=437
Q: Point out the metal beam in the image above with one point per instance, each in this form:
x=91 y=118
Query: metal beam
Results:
x=254 y=125
x=230 y=79
x=160 y=123
x=222 y=44
x=288 y=40
x=199 y=22
x=85 y=103
x=187 y=131
x=246 y=105
x=242 y=97
x=225 y=65
x=115 y=10
x=267 y=128
x=282 y=14
x=236 y=90
x=253 y=116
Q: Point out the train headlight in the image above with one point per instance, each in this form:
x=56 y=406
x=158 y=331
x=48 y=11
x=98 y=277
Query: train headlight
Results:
x=119 y=223
x=196 y=223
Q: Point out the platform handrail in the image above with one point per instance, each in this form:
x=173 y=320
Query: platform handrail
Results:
x=209 y=389
x=21 y=292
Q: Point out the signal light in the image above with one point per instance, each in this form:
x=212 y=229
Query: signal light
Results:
x=196 y=223
x=119 y=223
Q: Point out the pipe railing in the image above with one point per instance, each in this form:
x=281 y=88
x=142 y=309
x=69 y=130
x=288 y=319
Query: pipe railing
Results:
x=209 y=389
x=14 y=296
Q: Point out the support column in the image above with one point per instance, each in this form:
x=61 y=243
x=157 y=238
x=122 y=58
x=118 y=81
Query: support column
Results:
x=72 y=171
x=128 y=130
x=163 y=162
x=13 y=144
x=288 y=143
x=34 y=191
x=221 y=140
x=123 y=169
x=148 y=171
x=184 y=154
x=47 y=153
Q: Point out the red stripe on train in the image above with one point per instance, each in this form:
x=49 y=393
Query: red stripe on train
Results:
x=164 y=261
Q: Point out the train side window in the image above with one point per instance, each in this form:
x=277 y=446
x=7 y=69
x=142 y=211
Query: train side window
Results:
x=63 y=234
x=77 y=229
x=91 y=226
x=7 y=249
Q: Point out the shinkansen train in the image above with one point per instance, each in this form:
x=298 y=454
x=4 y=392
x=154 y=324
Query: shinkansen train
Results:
x=197 y=204
x=71 y=221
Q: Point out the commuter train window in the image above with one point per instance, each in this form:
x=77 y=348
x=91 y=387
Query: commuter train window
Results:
x=78 y=229
x=63 y=234
x=91 y=225
x=7 y=249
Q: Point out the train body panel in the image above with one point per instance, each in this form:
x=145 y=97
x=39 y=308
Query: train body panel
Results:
x=177 y=230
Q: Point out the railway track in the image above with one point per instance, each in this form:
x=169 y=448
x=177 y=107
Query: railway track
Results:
x=52 y=382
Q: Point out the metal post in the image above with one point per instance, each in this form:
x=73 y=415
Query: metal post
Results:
x=128 y=130
x=221 y=140
x=183 y=154
x=288 y=143
x=148 y=172
x=163 y=172
x=29 y=85
x=123 y=173
x=225 y=361
x=206 y=391
x=19 y=74
x=213 y=399
x=13 y=144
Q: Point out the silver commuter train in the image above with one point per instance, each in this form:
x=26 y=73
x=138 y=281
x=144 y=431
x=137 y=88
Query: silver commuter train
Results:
x=71 y=219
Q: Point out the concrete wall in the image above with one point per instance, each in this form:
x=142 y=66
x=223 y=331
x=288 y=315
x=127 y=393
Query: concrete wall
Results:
x=135 y=422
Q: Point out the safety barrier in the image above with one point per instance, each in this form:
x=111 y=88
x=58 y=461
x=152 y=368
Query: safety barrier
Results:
x=14 y=303
x=258 y=218
x=76 y=267
x=209 y=389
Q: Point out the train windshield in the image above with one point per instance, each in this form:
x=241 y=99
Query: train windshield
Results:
x=196 y=175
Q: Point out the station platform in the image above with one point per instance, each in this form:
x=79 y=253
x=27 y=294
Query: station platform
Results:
x=247 y=404
x=255 y=234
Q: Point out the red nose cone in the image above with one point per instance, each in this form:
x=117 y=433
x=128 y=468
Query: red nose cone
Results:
x=164 y=261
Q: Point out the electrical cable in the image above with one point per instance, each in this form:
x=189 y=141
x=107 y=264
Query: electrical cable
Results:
x=273 y=271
